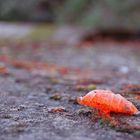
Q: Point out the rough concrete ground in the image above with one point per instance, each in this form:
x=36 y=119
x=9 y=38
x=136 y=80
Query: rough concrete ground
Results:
x=28 y=95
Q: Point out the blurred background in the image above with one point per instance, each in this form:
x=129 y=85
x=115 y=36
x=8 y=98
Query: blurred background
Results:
x=99 y=13
x=90 y=17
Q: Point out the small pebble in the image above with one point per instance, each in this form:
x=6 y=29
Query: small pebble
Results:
x=124 y=69
x=85 y=112
x=21 y=107
x=56 y=97
x=57 y=109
